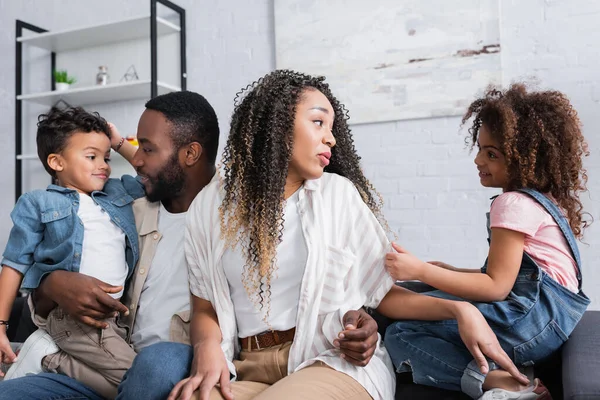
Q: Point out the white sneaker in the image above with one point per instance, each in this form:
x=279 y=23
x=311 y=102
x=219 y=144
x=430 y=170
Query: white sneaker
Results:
x=29 y=360
x=536 y=391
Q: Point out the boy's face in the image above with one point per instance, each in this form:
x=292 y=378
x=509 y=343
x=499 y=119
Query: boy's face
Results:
x=83 y=164
x=157 y=161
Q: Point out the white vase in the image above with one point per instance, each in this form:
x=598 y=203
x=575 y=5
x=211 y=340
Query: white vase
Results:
x=62 y=86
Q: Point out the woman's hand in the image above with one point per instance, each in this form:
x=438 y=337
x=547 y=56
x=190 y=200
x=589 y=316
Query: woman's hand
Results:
x=481 y=341
x=209 y=368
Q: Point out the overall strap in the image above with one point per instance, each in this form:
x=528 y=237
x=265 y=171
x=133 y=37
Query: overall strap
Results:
x=563 y=224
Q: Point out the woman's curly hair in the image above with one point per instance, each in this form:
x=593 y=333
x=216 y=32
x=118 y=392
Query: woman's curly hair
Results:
x=256 y=159
x=540 y=136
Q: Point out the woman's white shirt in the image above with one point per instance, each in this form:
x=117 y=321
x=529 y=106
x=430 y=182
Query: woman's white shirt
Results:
x=344 y=271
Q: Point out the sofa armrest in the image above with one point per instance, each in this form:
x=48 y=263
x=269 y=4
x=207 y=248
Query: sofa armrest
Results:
x=581 y=360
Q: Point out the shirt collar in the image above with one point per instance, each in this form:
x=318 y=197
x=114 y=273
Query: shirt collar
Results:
x=149 y=223
x=312 y=184
x=62 y=189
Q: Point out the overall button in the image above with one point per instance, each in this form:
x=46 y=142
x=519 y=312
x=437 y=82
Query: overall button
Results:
x=534 y=275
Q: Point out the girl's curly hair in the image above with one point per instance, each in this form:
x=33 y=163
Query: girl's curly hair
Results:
x=540 y=136
x=255 y=161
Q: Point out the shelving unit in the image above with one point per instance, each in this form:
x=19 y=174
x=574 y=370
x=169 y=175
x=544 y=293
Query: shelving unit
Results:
x=87 y=37
x=99 y=94
x=98 y=35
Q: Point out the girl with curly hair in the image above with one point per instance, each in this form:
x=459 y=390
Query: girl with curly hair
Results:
x=286 y=244
x=530 y=145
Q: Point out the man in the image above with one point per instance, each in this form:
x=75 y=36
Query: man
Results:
x=178 y=135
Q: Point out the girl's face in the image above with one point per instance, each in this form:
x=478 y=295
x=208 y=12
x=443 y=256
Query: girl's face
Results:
x=313 y=139
x=490 y=161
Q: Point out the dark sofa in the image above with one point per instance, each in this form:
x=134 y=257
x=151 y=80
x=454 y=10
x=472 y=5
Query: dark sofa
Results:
x=572 y=375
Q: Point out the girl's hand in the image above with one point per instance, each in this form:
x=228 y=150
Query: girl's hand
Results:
x=403 y=266
x=115 y=136
x=7 y=356
x=209 y=367
x=481 y=341
x=442 y=265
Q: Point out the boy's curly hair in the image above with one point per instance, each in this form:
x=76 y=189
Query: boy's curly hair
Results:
x=540 y=136
x=256 y=159
x=56 y=127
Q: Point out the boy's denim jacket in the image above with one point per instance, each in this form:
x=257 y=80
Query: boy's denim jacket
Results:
x=47 y=234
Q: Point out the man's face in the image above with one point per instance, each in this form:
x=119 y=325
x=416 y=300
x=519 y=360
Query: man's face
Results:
x=157 y=161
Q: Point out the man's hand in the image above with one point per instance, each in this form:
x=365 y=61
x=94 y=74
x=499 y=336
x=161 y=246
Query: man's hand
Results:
x=359 y=339
x=82 y=297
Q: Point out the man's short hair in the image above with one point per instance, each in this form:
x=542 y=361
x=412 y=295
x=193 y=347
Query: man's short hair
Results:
x=193 y=119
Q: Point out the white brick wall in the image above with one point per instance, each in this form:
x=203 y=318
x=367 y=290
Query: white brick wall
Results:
x=421 y=167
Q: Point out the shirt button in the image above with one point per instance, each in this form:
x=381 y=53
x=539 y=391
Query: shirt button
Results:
x=132 y=307
x=155 y=236
x=55 y=214
x=142 y=271
x=76 y=255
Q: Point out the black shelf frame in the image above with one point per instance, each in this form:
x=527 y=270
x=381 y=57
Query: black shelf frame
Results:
x=22 y=26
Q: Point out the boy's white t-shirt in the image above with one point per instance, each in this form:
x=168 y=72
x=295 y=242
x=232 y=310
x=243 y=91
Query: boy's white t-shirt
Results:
x=103 y=250
x=166 y=289
x=544 y=241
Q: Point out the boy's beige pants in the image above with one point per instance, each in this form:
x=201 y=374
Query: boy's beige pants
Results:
x=96 y=357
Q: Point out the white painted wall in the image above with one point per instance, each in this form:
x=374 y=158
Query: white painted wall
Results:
x=432 y=192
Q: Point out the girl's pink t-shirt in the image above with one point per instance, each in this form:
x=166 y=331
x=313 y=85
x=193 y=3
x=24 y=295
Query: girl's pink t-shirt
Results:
x=544 y=241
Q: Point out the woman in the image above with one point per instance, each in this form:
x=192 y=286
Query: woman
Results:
x=283 y=246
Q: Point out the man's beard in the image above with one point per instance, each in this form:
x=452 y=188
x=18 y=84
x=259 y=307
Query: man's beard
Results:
x=168 y=183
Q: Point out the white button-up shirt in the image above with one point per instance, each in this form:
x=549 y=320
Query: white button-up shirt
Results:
x=344 y=271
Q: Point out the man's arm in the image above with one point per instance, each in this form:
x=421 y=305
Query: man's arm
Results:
x=82 y=297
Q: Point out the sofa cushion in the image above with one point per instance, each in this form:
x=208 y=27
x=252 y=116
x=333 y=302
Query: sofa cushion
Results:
x=581 y=360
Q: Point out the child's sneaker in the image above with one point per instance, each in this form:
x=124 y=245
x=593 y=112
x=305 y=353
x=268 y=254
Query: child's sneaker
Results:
x=537 y=391
x=29 y=360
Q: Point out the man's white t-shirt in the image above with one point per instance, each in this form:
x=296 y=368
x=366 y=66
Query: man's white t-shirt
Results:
x=166 y=289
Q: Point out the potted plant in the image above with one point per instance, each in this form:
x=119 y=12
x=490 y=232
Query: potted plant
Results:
x=63 y=80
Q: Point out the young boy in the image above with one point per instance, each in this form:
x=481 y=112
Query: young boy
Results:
x=82 y=223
